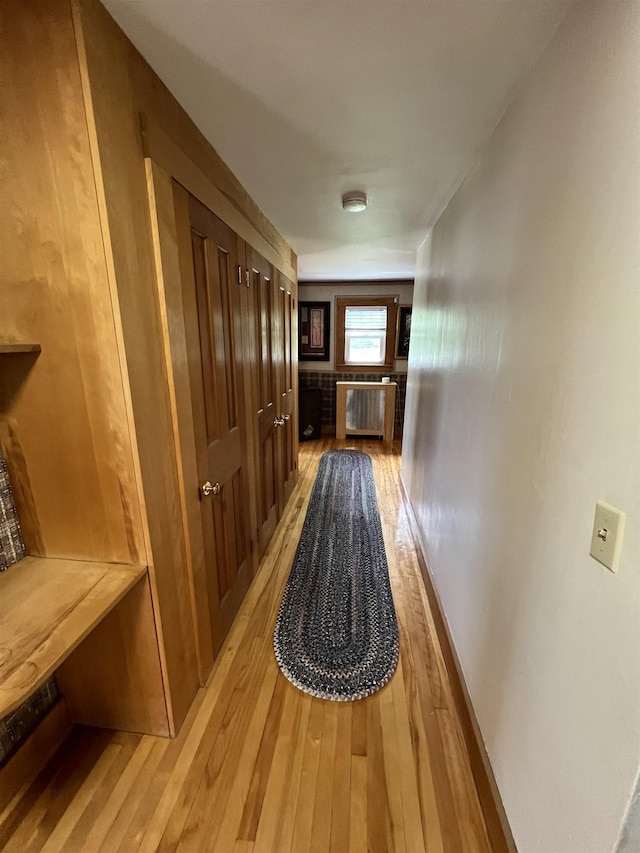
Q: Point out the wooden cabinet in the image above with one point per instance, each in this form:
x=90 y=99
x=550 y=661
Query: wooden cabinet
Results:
x=101 y=172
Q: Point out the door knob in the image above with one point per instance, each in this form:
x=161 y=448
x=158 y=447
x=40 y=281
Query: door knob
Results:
x=278 y=422
x=207 y=489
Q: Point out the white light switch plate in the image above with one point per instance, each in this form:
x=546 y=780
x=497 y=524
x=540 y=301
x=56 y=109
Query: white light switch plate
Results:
x=606 y=539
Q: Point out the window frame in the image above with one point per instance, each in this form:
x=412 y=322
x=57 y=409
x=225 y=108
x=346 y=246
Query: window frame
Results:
x=344 y=302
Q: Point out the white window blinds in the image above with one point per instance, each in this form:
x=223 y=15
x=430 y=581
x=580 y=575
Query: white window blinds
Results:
x=365 y=334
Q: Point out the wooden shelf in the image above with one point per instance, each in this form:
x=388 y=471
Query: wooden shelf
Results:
x=47 y=607
x=12 y=349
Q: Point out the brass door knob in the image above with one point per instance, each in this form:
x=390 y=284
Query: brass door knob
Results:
x=208 y=488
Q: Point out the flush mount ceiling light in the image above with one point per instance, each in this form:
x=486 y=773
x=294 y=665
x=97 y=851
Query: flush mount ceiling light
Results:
x=354 y=201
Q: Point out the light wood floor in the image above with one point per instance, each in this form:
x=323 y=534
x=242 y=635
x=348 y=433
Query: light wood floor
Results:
x=260 y=767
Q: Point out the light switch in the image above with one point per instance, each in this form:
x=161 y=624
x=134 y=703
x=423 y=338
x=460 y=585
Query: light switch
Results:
x=606 y=539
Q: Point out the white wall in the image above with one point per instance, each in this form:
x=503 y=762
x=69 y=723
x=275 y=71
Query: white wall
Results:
x=328 y=293
x=523 y=409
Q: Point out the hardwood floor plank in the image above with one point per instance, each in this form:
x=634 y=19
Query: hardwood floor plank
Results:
x=285 y=842
x=260 y=767
x=380 y=838
x=305 y=805
x=409 y=776
x=260 y=775
x=278 y=790
x=393 y=770
x=195 y=813
x=229 y=824
x=321 y=831
x=340 y=809
x=120 y=796
x=359 y=729
x=358 y=805
x=470 y=819
x=70 y=820
x=46 y=800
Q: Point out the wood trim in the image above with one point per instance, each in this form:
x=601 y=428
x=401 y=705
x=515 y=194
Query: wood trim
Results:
x=13 y=349
x=377 y=282
x=342 y=302
x=34 y=753
x=163 y=150
x=496 y=820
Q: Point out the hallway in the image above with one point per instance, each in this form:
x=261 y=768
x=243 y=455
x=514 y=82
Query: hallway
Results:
x=260 y=766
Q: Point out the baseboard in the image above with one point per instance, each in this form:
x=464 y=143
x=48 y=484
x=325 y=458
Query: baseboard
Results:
x=498 y=829
x=34 y=753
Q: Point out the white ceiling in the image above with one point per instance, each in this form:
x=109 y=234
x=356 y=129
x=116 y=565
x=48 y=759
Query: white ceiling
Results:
x=305 y=99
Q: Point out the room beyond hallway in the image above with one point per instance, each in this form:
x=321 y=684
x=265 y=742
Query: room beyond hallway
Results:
x=260 y=766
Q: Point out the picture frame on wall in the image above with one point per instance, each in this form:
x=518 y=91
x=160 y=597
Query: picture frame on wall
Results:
x=404 y=331
x=314 y=322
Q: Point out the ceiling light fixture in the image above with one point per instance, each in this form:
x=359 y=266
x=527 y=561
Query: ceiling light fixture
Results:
x=354 y=201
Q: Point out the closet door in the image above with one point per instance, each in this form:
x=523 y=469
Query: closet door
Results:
x=288 y=449
x=265 y=415
x=212 y=325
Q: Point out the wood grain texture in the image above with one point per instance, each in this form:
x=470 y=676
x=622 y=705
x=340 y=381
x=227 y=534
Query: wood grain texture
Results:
x=81 y=500
x=259 y=765
x=15 y=349
x=122 y=191
x=169 y=207
x=22 y=767
x=47 y=607
x=113 y=678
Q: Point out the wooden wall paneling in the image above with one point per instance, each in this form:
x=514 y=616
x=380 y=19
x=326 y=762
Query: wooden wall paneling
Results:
x=69 y=450
x=114 y=679
x=121 y=179
x=169 y=206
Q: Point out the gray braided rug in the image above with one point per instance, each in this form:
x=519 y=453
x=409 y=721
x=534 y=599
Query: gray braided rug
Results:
x=336 y=635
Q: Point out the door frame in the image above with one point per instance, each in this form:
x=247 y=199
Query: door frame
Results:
x=169 y=185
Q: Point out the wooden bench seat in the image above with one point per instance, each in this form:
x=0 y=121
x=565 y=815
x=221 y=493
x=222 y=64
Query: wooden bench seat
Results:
x=47 y=607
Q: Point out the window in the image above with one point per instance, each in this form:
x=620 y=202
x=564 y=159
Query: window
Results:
x=365 y=332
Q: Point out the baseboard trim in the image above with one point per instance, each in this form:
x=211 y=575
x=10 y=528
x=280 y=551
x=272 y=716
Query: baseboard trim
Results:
x=34 y=753
x=498 y=829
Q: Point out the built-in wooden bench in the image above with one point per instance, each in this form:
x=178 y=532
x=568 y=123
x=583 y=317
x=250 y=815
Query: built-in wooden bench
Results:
x=47 y=607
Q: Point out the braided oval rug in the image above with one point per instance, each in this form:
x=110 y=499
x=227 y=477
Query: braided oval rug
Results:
x=336 y=636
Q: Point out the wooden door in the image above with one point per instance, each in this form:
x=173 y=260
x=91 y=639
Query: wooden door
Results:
x=213 y=334
x=288 y=434
x=265 y=415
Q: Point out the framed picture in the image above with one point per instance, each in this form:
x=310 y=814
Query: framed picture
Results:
x=404 y=331
x=314 y=320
